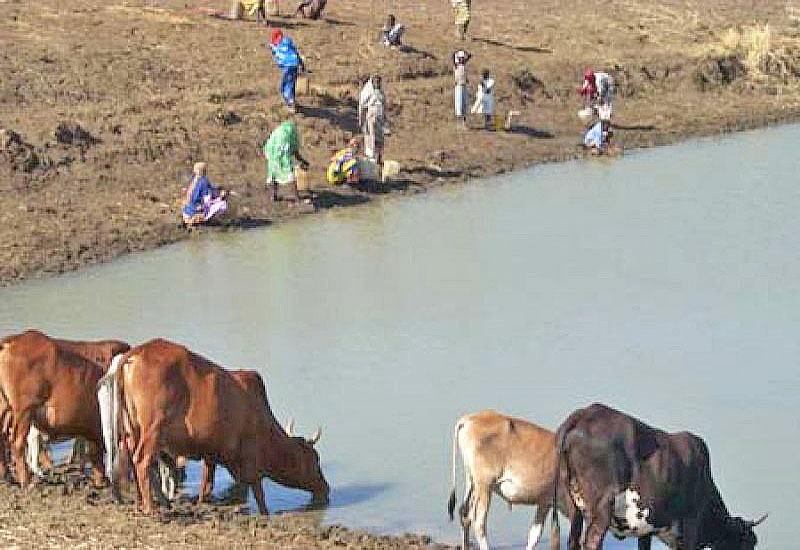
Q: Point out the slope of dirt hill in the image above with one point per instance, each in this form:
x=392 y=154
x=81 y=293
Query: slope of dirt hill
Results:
x=104 y=106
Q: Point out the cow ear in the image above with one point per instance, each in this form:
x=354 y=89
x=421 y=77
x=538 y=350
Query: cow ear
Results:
x=314 y=438
x=290 y=427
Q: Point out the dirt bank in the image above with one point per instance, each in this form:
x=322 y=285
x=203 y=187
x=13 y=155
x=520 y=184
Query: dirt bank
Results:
x=64 y=512
x=104 y=106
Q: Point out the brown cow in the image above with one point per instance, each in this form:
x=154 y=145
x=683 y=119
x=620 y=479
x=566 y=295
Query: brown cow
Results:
x=52 y=383
x=177 y=401
x=509 y=456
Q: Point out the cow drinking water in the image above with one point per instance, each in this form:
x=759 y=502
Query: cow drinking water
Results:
x=171 y=399
x=637 y=481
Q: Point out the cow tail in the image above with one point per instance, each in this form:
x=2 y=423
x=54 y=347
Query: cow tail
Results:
x=109 y=412
x=561 y=437
x=451 y=503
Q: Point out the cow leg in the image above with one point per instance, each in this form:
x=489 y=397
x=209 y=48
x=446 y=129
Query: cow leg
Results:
x=598 y=522
x=689 y=535
x=536 y=529
x=143 y=461
x=21 y=425
x=3 y=456
x=575 y=531
x=480 y=510
x=206 y=481
x=258 y=491
x=95 y=455
x=645 y=542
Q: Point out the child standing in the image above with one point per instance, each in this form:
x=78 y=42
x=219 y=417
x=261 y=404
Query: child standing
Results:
x=484 y=102
x=460 y=59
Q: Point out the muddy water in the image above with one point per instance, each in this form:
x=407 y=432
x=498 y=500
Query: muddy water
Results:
x=666 y=283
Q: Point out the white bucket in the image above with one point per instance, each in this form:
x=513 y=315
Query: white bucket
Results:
x=391 y=169
x=585 y=114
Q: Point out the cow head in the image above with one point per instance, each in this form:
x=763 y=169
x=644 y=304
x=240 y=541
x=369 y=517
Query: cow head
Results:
x=739 y=534
x=302 y=470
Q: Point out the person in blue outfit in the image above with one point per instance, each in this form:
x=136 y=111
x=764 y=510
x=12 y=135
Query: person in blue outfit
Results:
x=203 y=201
x=598 y=137
x=289 y=61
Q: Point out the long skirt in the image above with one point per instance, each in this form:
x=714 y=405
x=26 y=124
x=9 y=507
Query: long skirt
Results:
x=461 y=100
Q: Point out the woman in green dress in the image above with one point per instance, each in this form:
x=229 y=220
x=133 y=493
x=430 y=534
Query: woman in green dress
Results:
x=281 y=150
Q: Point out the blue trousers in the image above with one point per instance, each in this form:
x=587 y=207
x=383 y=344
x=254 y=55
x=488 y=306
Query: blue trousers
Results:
x=288 y=82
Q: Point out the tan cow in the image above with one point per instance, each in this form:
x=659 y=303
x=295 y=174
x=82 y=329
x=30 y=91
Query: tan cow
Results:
x=174 y=400
x=49 y=383
x=508 y=456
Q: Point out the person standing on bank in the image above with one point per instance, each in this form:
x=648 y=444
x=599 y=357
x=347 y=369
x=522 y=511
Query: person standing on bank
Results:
x=484 y=100
x=372 y=118
x=460 y=59
x=289 y=61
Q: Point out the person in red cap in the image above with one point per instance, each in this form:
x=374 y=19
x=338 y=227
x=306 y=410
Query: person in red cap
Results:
x=597 y=89
x=289 y=61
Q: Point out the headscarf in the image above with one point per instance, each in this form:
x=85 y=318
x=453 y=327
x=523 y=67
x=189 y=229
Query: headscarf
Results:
x=277 y=36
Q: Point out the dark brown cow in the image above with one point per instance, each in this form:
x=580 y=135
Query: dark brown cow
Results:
x=176 y=401
x=638 y=481
x=52 y=383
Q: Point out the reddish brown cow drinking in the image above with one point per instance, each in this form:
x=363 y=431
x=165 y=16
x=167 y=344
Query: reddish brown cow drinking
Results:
x=176 y=401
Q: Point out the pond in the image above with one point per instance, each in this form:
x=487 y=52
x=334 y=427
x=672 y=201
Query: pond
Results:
x=665 y=283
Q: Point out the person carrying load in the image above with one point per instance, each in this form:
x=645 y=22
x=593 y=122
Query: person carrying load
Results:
x=251 y=8
x=281 y=151
x=289 y=61
x=372 y=118
x=597 y=90
x=344 y=165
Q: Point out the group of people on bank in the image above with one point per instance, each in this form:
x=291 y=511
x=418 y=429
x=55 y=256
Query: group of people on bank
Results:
x=281 y=150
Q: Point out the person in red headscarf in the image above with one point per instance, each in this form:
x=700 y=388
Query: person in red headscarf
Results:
x=289 y=61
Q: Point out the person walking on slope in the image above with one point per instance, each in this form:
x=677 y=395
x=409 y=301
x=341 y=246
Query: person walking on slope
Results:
x=372 y=118
x=289 y=61
x=281 y=150
x=460 y=59
x=461 y=16
x=597 y=90
x=484 y=100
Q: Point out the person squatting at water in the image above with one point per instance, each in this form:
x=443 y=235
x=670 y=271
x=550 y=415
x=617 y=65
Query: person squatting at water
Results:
x=281 y=151
x=597 y=90
x=460 y=59
x=598 y=138
x=203 y=201
x=392 y=33
x=250 y=7
x=344 y=165
x=289 y=61
x=484 y=99
x=311 y=9
x=372 y=118
x=461 y=16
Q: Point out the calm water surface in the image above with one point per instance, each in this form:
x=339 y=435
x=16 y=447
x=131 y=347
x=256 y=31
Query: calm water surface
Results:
x=666 y=283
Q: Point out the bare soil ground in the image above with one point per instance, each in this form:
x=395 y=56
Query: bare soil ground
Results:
x=104 y=106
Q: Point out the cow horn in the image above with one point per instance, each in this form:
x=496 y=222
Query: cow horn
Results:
x=290 y=427
x=760 y=520
x=314 y=438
